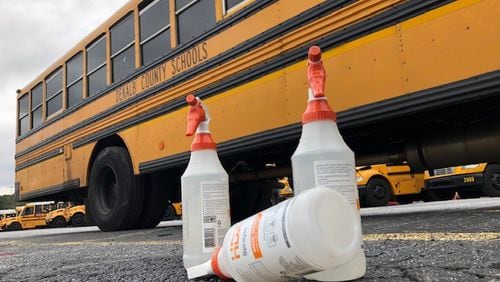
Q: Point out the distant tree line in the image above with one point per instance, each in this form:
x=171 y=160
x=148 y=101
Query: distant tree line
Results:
x=7 y=202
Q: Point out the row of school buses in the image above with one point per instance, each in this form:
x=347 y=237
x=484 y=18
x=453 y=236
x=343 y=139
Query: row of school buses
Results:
x=380 y=184
x=42 y=214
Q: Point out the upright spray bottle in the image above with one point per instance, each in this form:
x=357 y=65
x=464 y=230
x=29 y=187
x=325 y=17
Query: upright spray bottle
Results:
x=322 y=158
x=205 y=191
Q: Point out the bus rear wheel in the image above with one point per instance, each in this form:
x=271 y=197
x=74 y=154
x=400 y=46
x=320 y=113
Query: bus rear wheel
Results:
x=78 y=220
x=378 y=193
x=59 y=222
x=491 y=186
x=169 y=213
x=155 y=201
x=115 y=193
x=15 y=226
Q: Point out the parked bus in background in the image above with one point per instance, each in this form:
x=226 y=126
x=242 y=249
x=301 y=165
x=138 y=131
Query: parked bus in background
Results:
x=31 y=215
x=108 y=118
x=6 y=214
x=472 y=180
x=378 y=184
x=66 y=214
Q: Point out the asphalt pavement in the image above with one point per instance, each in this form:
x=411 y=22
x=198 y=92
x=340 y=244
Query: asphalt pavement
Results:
x=430 y=245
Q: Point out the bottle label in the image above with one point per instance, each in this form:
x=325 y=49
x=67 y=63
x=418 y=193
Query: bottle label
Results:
x=260 y=250
x=215 y=214
x=339 y=175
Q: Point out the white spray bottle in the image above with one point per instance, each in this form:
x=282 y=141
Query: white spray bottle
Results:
x=322 y=158
x=314 y=231
x=205 y=191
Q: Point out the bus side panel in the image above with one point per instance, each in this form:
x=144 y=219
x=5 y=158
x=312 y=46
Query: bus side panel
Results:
x=41 y=175
x=254 y=107
x=460 y=43
x=78 y=166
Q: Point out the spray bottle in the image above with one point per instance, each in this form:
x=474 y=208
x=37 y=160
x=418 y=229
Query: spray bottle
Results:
x=205 y=191
x=314 y=231
x=322 y=158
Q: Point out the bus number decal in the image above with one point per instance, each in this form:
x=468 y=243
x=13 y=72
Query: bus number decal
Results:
x=469 y=179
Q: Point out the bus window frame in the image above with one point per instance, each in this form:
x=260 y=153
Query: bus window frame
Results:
x=26 y=115
x=31 y=214
x=74 y=82
x=61 y=91
x=178 y=26
x=90 y=72
x=228 y=12
x=33 y=108
x=166 y=28
x=124 y=48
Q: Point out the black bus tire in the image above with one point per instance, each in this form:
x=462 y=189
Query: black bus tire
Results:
x=155 y=201
x=115 y=193
x=491 y=185
x=15 y=226
x=59 y=222
x=378 y=193
x=169 y=213
x=78 y=219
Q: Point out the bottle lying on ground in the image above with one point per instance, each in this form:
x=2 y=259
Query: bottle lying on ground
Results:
x=314 y=231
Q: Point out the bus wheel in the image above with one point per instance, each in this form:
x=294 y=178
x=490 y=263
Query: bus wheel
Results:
x=59 y=222
x=15 y=226
x=378 y=193
x=78 y=220
x=155 y=201
x=439 y=195
x=170 y=213
x=115 y=193
x=491 y=186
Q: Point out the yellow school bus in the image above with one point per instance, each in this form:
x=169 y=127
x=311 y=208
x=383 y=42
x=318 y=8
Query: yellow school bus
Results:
x=67 y=214
x=380 y=183
x=472 y=180
x=105 y=123
x=29 y=216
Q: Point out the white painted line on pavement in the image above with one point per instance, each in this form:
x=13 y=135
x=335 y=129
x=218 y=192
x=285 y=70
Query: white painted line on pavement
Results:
x=452 y=205
x=65 y=230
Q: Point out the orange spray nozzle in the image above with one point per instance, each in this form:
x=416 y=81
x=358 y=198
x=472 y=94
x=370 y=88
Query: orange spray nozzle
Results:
x=316 y=74
x=196 y=114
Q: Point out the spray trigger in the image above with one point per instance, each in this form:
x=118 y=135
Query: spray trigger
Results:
x=196 y=114
x=316 y=73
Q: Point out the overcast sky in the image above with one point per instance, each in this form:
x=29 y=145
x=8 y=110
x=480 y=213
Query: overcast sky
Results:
x=33 y=35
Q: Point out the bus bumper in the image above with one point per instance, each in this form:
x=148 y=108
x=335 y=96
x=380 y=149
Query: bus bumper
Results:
x=454 y=181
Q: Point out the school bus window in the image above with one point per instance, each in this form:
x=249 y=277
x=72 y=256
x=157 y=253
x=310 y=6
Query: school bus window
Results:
x=122 y=48
x=96 y=66
x=36 y=106
x=155 y=30
x=74 y=76
x=23 y=117
x=28 y=211
x=54 y=92
x=229 y=4
x=193 y=18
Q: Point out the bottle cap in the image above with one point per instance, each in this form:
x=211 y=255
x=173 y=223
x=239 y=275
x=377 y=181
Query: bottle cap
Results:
x=197 y=122
x=215 y=265
x=314 y=54
x=317 y=109
x=196 y=115
x=316 y=73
